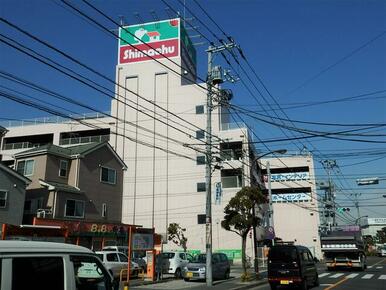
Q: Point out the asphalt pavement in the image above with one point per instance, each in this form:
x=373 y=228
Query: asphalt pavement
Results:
x=373 y=278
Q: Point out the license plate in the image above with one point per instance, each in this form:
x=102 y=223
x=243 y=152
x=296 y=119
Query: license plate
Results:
x=189 y=275
x=284 y=282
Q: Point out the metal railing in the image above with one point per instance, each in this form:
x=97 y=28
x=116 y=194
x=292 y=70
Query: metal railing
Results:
x=52 y=120
x=232 y=126
x=230 y=154
x=83 y=140
x=20 y=145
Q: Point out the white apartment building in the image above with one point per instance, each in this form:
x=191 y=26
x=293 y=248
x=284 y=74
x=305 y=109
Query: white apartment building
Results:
x=165 y=179
x=294 y=200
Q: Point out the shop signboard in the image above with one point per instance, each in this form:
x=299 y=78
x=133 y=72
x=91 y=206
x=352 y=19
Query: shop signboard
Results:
x=291 y=176
x=148 y=41
x=142 y=241
x=291 y=197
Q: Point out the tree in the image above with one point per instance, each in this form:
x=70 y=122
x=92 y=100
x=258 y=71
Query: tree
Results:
x=239 y=217
x=176 y=235
x=381 y=236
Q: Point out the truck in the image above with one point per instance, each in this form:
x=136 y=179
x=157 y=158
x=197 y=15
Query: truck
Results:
x=343 y=246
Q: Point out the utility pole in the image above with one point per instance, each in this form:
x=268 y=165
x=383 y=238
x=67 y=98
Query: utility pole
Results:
x=330 y=205
x=270 y=199
x=212 y=81
x=356 y=195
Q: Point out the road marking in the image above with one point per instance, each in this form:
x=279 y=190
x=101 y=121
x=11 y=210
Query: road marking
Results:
x=369 y=267
x=352 y=276
x=379 y=267
x=323 y=274
x=336 y=275
x=367 y=276
x=323 y=285
x=382 y=277
x=336 y=284
x=377 y=263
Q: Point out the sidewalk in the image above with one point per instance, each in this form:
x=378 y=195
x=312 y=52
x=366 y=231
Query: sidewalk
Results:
x=234 y=283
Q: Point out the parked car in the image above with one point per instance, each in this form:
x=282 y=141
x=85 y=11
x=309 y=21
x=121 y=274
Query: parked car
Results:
x=292 y=265
x=46 y=266
x=138 y=257
x=196 y=269
x=116 y=261
x=381 y=251
x=174 y=262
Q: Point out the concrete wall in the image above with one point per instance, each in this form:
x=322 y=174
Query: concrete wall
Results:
x=296 y=221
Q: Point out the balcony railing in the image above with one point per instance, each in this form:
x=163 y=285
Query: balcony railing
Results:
x=20 y=145
x=232 y=126
x=52 y=120
x=83 y=140
x=230 y=154
x=231 y=181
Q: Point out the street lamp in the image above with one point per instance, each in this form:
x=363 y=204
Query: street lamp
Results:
x=270 y=210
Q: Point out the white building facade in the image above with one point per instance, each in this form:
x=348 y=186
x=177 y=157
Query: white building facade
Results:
x=158 y=128
x=294 y=200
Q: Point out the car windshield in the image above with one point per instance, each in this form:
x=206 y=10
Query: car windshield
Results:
x=199 y=259
x=168 y=255
x=282 y=254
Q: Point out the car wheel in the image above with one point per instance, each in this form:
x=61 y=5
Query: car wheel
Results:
x=177 y=274
x=330 y=268
x=273 y=286
x=186 y=279
x=316 y=281
x=304 y=285
x=227 y=275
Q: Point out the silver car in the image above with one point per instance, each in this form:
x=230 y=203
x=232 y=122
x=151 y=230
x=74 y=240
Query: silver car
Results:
x=116 y=261
x=196 y=269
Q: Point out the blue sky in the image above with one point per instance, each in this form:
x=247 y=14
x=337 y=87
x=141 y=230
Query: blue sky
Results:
x=304 y=52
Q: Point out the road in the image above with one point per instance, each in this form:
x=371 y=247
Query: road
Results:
x=373 y=278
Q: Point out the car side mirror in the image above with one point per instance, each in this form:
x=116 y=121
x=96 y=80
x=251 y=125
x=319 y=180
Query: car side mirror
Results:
x=316 y=260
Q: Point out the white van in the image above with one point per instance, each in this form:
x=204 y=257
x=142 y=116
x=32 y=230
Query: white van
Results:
x=47 y=266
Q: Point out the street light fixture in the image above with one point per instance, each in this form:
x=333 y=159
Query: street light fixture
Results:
x=270 y=222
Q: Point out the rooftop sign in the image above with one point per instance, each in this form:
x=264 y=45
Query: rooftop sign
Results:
x=153 y=40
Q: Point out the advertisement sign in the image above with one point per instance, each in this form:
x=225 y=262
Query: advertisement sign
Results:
x=142 y=241
x=218 y=193
x=291 y=197
x=149 y=41
x=292 y=176
x=376 y=221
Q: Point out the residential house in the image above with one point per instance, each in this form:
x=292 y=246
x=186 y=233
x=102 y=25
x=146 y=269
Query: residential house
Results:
x=12 y=195
x=81 y=182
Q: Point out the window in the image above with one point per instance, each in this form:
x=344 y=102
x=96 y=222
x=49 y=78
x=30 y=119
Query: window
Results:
x=25 y=167
x=123 y=258
x=199 y=109
x=3 y=198
x=89 y=274
x=38 y=273
x=201 y=186
x=74 y=208
x=200 y=160
x=108 y=175
x=200 y=134
x=104 y=209
x=182 y=256
x=63 y=168
x=113 y=257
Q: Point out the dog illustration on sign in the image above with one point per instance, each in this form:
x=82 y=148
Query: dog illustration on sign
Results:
x=140 y=33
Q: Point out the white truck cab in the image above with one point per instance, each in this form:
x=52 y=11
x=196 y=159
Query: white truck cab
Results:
x=47 y=266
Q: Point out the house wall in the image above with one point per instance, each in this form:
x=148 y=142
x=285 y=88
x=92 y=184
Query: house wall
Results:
x=52 y=169
x=39 y=171
x=13 y=212
x=97 y=192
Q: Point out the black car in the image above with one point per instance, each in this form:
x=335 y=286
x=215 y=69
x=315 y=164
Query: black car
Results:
x=290 y=265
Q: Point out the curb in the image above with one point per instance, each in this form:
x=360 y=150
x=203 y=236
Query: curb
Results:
x=250 y=285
